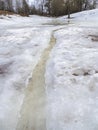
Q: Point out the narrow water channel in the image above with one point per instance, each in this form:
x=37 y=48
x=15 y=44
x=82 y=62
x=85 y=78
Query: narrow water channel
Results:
x=32 y=114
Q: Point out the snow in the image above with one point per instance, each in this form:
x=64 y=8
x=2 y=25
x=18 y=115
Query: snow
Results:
x=72 y=75
x=21 y=45
x=71 y=71
x=84 y=18
x=17 y=21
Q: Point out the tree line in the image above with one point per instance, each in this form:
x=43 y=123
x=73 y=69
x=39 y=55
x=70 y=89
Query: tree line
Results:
x=47 y=7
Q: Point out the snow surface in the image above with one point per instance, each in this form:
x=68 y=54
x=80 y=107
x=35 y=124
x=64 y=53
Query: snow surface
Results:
x=72 y=75
x=71 y=72
x=84 y=18
x=21 y=45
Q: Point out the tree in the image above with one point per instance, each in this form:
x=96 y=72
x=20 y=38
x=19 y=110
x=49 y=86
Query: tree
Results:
x=48 y=6
x=25 y=8
x=9 y=5
x=2 y=5
x=57 y=7
x=42 y=7
x=68 y=8
x=68 y=5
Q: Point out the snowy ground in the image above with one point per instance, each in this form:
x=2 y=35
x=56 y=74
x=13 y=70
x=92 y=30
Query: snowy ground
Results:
x=72 y=85
x=82 y=19
x=71 y=71
x=21 y=45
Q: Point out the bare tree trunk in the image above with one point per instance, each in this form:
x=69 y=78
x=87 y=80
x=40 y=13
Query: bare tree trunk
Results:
x=68 y=8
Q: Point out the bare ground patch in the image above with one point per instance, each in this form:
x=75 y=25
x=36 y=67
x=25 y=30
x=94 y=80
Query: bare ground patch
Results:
x=94 y=38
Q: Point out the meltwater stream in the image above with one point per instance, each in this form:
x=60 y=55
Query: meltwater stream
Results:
x=32 y=115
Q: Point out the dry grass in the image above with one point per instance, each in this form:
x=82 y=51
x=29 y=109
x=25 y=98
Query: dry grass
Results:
x=6 y=12
x=2 y=12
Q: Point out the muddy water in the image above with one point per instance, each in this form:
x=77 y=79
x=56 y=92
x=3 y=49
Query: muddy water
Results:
x=32 y=115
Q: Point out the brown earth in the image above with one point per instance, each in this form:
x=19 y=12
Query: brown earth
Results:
x=6 y=12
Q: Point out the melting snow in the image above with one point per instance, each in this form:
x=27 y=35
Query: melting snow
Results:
x=72 y=76
x=71 y=72
x=21 y=45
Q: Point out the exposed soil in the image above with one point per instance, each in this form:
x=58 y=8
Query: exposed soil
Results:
x=94 y=38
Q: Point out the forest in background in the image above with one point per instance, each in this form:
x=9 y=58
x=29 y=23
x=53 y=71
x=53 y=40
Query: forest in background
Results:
x=47 y=7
